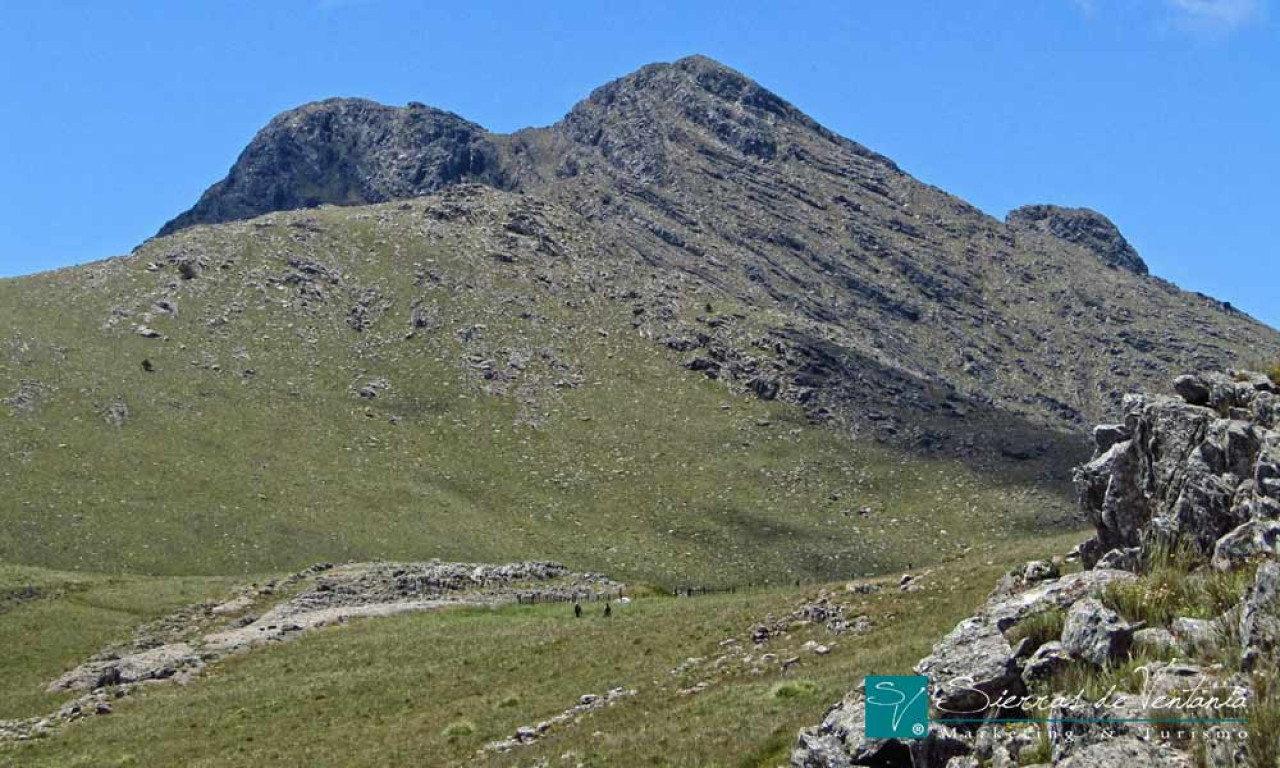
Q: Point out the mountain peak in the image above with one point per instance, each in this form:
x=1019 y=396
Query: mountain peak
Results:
x=1081 y=226
x=346 y=151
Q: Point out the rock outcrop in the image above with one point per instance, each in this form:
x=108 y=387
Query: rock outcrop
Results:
x=1184 y=489
x=178 y=647
x=1080 y=226
x=346 y=152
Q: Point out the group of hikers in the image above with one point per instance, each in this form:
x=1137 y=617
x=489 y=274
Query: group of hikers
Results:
x=577 y=610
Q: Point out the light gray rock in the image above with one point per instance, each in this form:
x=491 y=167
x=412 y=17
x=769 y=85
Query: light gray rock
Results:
x=1162 y=679
x=973 y=660
x=1039 y=570
x=841 y=742
x=1154 y=641
x=1245 y=542
x=1125 y=752
x=1194 y=635
x=1076 y=725
x=1047 y=661
x=1007 y=610
x=1260 y=615
x=154 y=664
x=1095 y=633
x=1126 y=559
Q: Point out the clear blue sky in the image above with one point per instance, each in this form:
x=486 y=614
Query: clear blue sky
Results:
x=1163 y=114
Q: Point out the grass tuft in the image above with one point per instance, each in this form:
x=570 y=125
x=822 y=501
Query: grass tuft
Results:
x=458 y=730
x=793 y=689
x=1040 y=627
x=1263 y=748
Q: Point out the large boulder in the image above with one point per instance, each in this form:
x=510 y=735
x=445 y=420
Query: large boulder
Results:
x=1246 y=542
x=1178 y=471
x=841 y=742
x=970 y=666
x=1047 y=661
x=1095 y=633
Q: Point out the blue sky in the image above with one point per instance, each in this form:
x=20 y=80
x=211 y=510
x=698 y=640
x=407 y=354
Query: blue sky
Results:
x=1163 y=114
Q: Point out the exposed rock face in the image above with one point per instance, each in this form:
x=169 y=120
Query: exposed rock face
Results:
x=1260 y=614
x=346 y=152
x=176 y=648
x=1179 y=473
x=1083 y=227
x=1197 y=469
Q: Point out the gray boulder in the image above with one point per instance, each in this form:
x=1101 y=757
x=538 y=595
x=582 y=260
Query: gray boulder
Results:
x=973 y=662
x=1247 y=541
x=1125 y=559
x=1260 y=615
x=1047 y=661
x=1095 y=633
x=1039 y=570
x=1192 y=388
x=1154 y=641
x=840 y=741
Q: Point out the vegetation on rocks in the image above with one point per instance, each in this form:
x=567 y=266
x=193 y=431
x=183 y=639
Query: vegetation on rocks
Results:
x=1173 y=625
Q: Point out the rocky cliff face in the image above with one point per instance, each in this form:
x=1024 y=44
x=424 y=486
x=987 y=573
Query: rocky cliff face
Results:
x=346 y=152
x=1179 y=592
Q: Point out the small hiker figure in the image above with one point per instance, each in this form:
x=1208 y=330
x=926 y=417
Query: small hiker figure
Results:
x=577 y=610
x=608 y=610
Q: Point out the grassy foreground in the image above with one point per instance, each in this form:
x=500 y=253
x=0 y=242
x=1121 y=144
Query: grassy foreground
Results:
x=431 y=689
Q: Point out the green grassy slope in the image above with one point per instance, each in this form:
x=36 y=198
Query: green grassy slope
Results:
x=386 y=691
x=530 y=410
x=51 y=621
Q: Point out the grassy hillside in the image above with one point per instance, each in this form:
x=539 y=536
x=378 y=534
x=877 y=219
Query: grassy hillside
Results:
x=50 y=621
x=434 y=688
x=423 y=380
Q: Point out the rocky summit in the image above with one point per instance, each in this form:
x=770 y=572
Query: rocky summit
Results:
x=901 y=308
